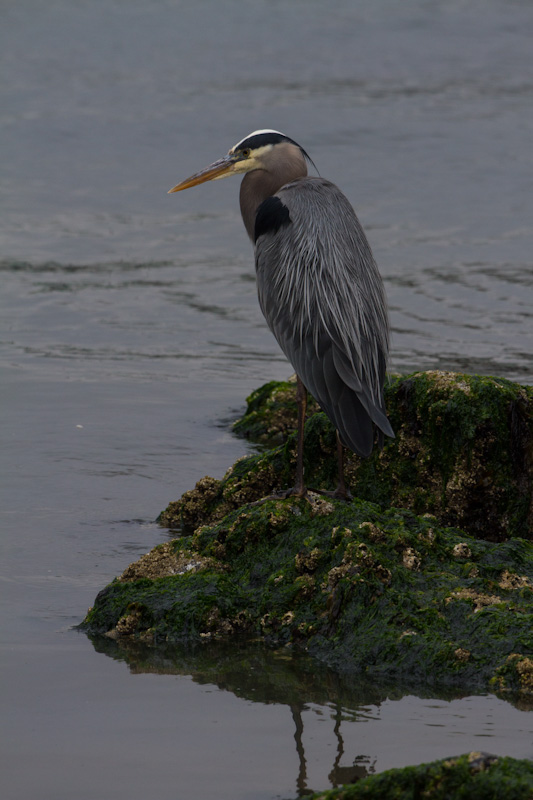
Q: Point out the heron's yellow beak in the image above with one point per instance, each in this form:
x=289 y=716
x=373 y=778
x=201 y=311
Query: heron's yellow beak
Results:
x=218 y=169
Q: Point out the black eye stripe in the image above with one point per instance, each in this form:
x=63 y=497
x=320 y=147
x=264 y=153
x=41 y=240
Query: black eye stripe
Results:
x=266 y=138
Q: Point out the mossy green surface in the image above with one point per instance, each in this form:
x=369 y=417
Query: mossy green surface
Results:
x=364 y=586
x=389 y=594
x=473 y=776
x=463 y=449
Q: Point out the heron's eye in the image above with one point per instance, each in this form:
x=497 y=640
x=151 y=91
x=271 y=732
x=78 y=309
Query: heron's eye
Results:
x=246 y=152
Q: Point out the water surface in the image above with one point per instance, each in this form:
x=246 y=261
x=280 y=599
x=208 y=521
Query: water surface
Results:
x=130 y=335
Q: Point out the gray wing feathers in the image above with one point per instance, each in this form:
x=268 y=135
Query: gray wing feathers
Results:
x=336 y=397
x=323 y=299
x=375 y=412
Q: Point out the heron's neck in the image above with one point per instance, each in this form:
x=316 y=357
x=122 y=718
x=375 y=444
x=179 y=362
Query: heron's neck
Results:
x=259 y=184
x=256 y=186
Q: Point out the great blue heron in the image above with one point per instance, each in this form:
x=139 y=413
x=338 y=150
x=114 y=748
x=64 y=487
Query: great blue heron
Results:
x=318 y=285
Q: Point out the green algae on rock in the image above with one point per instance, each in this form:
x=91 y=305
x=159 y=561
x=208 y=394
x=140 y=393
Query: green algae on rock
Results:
x=272 y=412
x=387 y=593
x=463 y=449
x=390 y=592
x=473 y=776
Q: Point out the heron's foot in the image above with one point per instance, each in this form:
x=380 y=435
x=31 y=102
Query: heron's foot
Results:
x=283 y=494
x=340 y=493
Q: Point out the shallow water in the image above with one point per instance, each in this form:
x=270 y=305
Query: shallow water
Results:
x=130 y=335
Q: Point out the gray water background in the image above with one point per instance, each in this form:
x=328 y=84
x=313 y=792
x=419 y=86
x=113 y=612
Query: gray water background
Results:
x=130 y=335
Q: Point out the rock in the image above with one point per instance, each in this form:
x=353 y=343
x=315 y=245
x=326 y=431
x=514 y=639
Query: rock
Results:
x=387 y=590
x=463 y=449
x=378 y=592
x=476 y=776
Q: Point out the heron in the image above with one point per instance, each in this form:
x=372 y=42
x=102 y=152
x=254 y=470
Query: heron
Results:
x=319 y=289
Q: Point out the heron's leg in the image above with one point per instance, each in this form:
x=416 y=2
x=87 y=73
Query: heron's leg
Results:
x=341 y=491
x=299 y=489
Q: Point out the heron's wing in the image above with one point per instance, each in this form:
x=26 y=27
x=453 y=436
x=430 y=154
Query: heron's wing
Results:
x=339 y=392
x=342 y=404
x=347 y=373
x=323 y=299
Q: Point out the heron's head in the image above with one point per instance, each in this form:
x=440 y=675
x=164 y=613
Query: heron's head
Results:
x=263 y=150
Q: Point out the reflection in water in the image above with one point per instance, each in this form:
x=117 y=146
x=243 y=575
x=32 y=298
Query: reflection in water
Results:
x=258 y=673
x=301 y=780
x=255 y=673
x=361 y=766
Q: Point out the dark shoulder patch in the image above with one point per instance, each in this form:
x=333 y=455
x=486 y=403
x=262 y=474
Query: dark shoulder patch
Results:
x=271 y=216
